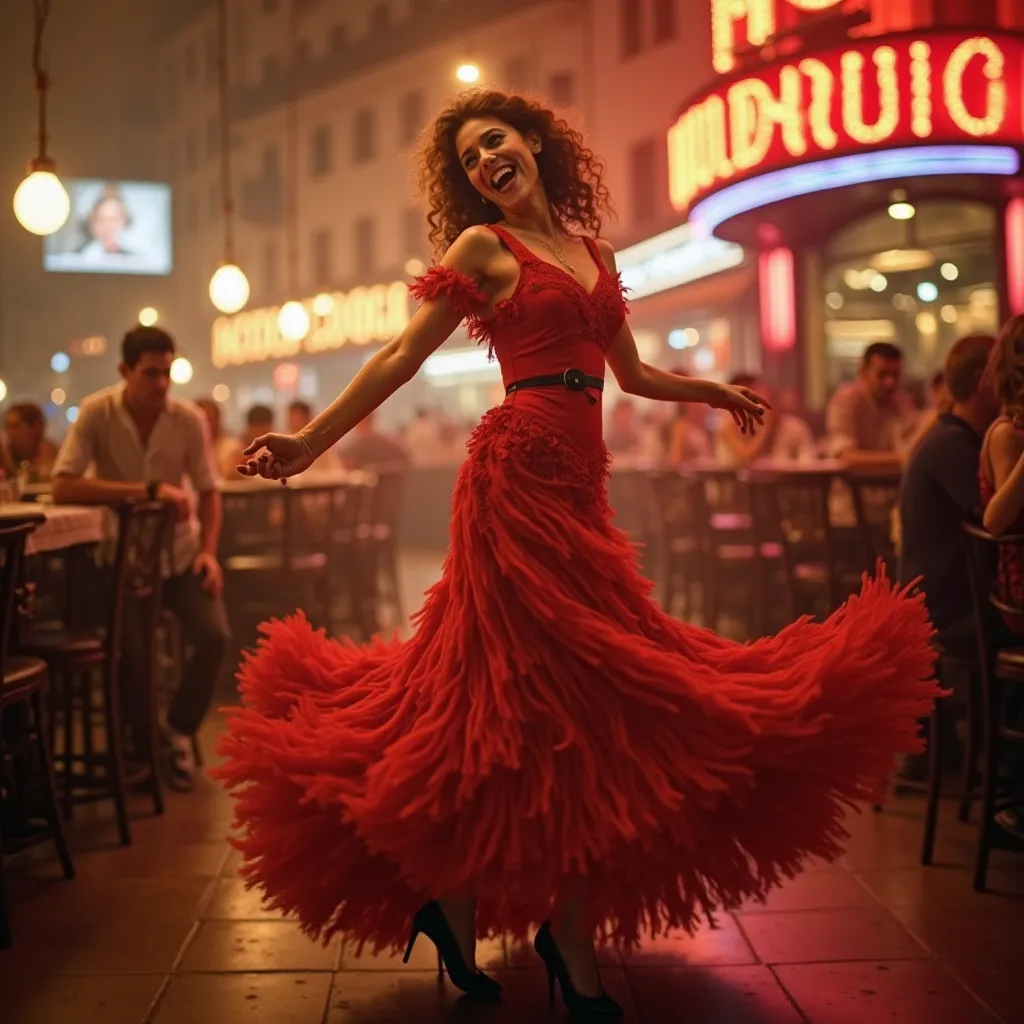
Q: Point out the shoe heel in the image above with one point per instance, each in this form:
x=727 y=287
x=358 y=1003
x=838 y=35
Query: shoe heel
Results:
x=412 y=942
x=551 y=987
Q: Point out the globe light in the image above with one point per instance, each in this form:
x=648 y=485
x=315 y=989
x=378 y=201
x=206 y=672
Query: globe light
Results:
x=468 y=73
x=41 y=202
x=229 y=288
x=950 y=271
x=879 y=282
x=148 y=316
x=221 y=392
x=59 y=362
x=323 y=304
x=902 y=211
x=293 y=321
x=181 y=370
x=3 y=390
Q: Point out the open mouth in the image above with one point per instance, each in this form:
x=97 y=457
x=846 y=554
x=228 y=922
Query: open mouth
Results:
x=502 y=178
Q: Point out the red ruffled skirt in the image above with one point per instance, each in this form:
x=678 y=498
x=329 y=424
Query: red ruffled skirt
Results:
x=549 y=726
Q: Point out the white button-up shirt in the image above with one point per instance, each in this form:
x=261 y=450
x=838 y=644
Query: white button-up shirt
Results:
x=105 y=443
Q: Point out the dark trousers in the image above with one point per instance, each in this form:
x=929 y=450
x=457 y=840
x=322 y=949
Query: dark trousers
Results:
x=204 y=623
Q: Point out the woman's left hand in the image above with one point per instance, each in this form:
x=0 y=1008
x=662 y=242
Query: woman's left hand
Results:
x=746 y=407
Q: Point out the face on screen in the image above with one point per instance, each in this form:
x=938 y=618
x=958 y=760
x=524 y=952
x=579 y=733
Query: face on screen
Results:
x=109 y=219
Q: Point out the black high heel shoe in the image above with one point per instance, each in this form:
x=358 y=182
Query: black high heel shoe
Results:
x=601 y=1007
x=430 y=921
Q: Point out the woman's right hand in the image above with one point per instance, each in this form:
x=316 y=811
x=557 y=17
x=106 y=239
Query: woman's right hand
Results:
x=276 y=457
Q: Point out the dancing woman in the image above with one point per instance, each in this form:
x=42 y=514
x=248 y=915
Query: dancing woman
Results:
x=548 y=747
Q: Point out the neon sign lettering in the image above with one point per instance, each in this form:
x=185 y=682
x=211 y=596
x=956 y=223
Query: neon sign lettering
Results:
x=362 y=316
x=883 y=92
x=758 y=20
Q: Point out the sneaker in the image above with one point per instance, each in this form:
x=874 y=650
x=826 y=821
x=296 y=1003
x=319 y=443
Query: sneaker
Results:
x=181 y=760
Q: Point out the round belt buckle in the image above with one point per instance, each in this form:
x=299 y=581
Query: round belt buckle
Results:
x=575 y=380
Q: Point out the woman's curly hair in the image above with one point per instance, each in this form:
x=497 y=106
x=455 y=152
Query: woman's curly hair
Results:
x=1006 y=369
x=570 y=171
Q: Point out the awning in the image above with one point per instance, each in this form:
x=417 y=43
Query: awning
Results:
x=711 y=293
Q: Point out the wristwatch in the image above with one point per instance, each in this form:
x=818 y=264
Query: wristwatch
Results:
x=151 y=488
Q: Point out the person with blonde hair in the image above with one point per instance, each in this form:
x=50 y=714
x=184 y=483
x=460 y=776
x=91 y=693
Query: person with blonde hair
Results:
x=549 y=747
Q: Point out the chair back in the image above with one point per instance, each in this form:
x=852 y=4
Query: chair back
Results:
x=983 y=552
x=144 y=541
x=12 y=560
x=673 y=502
x=875 y=499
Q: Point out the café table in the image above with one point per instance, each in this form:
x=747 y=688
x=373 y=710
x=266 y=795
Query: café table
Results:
x=58 y=526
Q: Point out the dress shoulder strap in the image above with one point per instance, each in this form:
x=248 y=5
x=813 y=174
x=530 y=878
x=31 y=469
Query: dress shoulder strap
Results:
x=513 y=244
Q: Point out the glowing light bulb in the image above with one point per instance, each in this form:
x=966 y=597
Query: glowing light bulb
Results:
x=468 y=73
x=41 y=203
x=927 y=291
x=293 y=321
x=902 y=211
x=148 y=316
x=949 y=271
x=3 y=390
x=229 y=288
x=181 y=370
x=879 y=282
x=323 y=304
x=221 y=392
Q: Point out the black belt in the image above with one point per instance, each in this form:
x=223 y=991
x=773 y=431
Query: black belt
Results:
x=572 y=379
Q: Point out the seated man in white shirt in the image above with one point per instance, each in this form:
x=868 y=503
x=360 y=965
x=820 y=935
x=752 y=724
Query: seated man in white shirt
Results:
x=785 y=437
x=136 y=441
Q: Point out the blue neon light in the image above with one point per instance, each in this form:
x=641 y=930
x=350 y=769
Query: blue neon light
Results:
x=918 y=161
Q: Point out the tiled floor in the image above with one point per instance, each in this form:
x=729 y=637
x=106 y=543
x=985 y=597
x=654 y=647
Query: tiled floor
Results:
x=164 y=933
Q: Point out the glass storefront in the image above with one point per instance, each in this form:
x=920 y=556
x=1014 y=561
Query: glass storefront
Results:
x=917 y=275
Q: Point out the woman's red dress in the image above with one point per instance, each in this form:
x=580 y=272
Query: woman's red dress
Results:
x=547 y=720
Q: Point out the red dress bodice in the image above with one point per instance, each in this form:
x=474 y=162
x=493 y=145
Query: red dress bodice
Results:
x=549 y=324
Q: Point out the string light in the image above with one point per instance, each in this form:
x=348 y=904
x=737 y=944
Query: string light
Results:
x=920 y=89
x=759 y=16
x=852 y=64
x=750 y=134
x=995 y=95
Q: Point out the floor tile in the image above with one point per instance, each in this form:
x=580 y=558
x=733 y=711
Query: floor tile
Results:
x=168 y=859
x=931 y=886
x=899 y=992
x=736 y=995
x=256 y=946
x=816 y=890
x=490 y=956
x=721 y=945
x=892 y=839
x=992 y=924
x=995 y=978
x=96 y=999
x=229 y=900
x=236 y=998
x=401 y=997
x=810 y=936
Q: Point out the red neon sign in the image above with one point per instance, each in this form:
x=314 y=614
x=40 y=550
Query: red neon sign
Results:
x=880 y=93
x=778 y=299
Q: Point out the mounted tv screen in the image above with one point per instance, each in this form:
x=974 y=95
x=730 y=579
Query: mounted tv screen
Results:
x=115 y=227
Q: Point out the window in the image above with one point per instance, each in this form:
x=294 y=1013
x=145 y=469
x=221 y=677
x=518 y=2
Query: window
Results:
x=380 y=18
x=563 y=89
x=321 y=257
x=270 y=68
x=643 y=180
x=631 y=29
x=410 y=118
x=191 y=151
x=517 y=73
x=271 y=163
x=664 y=27
x=339 y=38
x=365 y=246
x=213 y=202
x=364 y=140
x=212 y=138
x=414 y=234
x=271 y=266
x=320 y=151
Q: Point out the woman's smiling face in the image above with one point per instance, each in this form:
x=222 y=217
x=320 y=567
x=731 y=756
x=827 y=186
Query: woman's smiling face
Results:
x=499 y=162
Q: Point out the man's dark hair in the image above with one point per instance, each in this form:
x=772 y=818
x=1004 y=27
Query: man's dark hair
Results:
x=966 y=363
x=300 y=406
x=140 y=340
x=882 y=350
x=259 y=414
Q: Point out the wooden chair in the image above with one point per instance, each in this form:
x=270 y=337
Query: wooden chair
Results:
x=23 y=723
x=78 y=659
x=875 y=498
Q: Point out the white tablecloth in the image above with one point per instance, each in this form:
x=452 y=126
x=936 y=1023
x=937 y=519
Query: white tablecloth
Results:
x=63 y=526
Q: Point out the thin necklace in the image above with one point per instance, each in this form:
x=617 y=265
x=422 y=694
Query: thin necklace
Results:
x=557 y=251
